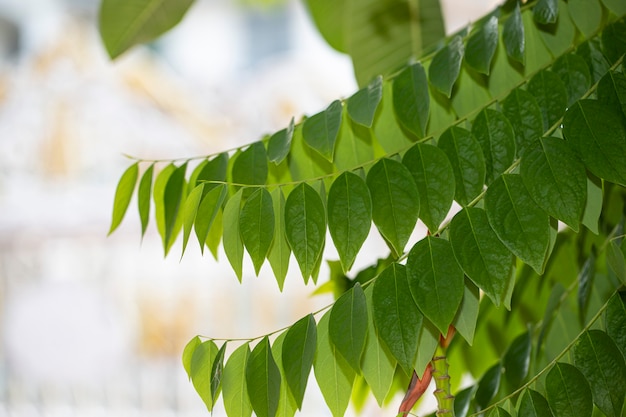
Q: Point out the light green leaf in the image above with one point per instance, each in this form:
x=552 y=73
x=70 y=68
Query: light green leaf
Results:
x=556 y=179
x=386 y=128
x=362 y=105
x=143 y=198
x=123 y=194
x=200 y=370
x=612 y=90
x=482 y=45
x=593 y=205
x=546 y=11
x=488 y=386
x=435 y=280
x=304 y=162
x=522 y=110
x=615 y=320
x=263 y=380
x=250 y=166
x=495 y=135
x=574 y=73
x=298 y=352
x=305 y=227
x=445 y=66
x=513 y=36
x=596 y=133
x=214 y=237
x=468 y=163
x=320 y=130
x=411 y=101
x=172 y=199
x=434 y=177
x=533 y=404
x=217 y=369
x=551 y=96
x=158 y=196
x=516 y=361
x=568 y=392
x=189 y=213
x=559 y=36
x=476 y=95
x=538 y=56
x=124 y=23
x=355 y=145
x=207 y=211
x=521 y=225
x=190 y=347
x=234 y=386
x=280 y=143
x=349 y=216
x=427 y=344
x=348 y=325
x=467 y=315
x=233 y=245
x=499 y=412
x=256 y=225
x=616 y=6
x=279 y=250
x=586 y=14
x=287 y=405
x=395 y=202
x=615 y=261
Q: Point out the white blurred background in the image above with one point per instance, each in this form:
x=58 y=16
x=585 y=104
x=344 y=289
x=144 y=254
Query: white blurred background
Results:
x=95 y=326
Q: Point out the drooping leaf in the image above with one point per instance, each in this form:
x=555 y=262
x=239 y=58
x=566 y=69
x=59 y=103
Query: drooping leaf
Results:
x=212 y=173
x=123 y=194
x=560 y=35
x=280 y=143
x=200 y=370
x=533 y=404
x=522 y=110
x=297 y=355
x=593 y=205
x=355 y=145
x=488 y=386
x=233 y=245
x=586 y=14
x=612 y=90
x=574 y=74
x=348 y=325
x=568 y=392
x=234 y=386
x=320 y=130
x=615 y=320
x=445 y=66
x=521 y=225
x=143 y=198
x=279 y=250
x=217 y=370
x=190 y=209
x=411 y=101
x=305 y=227
x=467 y=314
x=207 y=211
x=513 y=36
x=482 y=45
x=591 y=52
x=435 y=280
x=304 y=162
x=387 y=130
x=263 y=380
x=190 y=347
x=616 y=6
x=349 y=216
x=250 y=166
x=395 y=202
x=462 y=401
x=435 y=182
x=256 y=225
x=499 y=412
x=172 y=199
x=158 y=194
x=495 y=135
x=551 y=96
x=546 y=11
x=516 y=360
x=615 y=261
x=287 y=405
x=362 y=105
x=427 y=344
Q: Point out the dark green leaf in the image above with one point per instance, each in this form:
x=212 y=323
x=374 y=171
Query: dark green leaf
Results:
x=601 y=362
x=585 y=284
x=616 y=6
x=593 y=205
x=279 y=250
x=395 y=202
x=207 y=211
x=591 y=52
x=574 y=73
x=320 y=130
x=499 y=412
x=468 y=163
x=172 y=199
x=201 y=364
x=212 y=173
x=411 y=101
x=263 y=380
x=124 y=23
x=516 y=361
x=188 y=354
x=462 y=401
x=495 y=135
x=250 y=166
x=143 y=198
x=190 y=209
x=586 y=14
x=597 y=134
x=551 y=96
x=488 y=386
x=533 y=404
x=445 y=66
x=233 y=245
x=522 y=110
x=467 y=315
x=256 y=225
x=435 y=280
x=123 y=194
x=217 y=369
x=349 y=216
x=554 y=301
x=304 y=162
x=568 y=392
x=297 y=355
x=513 y=36
x=234 y=386
x=305 y=227
x=362 y=105
x=280 y=143
x=615 y=320
x=434 y=178
x=615 y=261
x=612 y=90
x=546 y=11
x=348 y=325
x=481 y=46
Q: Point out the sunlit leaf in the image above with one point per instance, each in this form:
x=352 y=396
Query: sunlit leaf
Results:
x=494 y=133
x=217 y=370
x=287 y=405
x=568 y=392
x=513 y=36
x=348 y=325
x=143 y=198
x=123 y=194
x=263 y=380
x=207 y=211
x=362 y=105
x=190 y=347
x=280 y=143
x=234 y=386
x=200 y=370
x=481 y=46
x=280 y=251
x=445 y=66
x=172 y=199
x=297 y=355
x=522 y=110
x=189 y=213
x=158 y=193
x=411 y=101
x=533 y=404
x=256 y=225
x=233 y=245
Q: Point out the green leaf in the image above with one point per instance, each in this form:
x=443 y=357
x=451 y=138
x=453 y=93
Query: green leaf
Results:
x=467 y=315
x=485 y=260
x=189 y=213
x=556 y=179
x=601 y=362
x=513 y=36
x=488 y=386
x=263 y=380
x=521 y=225
x=495 y=135
x=612 y=90
x=482 y=45
x=143 y=198
x=615 y=320
x=411 y=101
x=280 y=143
x=349 y=216
x=596 y=133
x=533 y=404
x=158 y=197
x=551 y=96
x=397 y=318
x=362 y=105
x=207 y=211
x=348 y=325
x=468 y=163
x=568 y=392
x=435 y=182
x=333 y=373
x=616 y=6
x=615 y=261
x=355 y=145
x=559 y=36
x=212 y=173
x=124 y=23
x=256 y=225
x=217 y=369
x=234 y=386
x=516 y=361
x=435 y=280
x=586 y=14
x=445 y=66
x=462 y=401
x=172 y=198
x=305 y=227
x=190 y=347
x=546 y=11
x=250 y=166
x=233 y=245
x=279 y=250
x=574 y=74
x=287 y=405
x=123 y=194
x=387 y=130
x=585 y=284
x=499 y=412
x=522 y=110
x=591 y=52
x=593 y=205
x=320 y=130
x=200 y=370
x=297 y=355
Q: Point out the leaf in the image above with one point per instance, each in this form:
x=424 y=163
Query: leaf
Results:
x=435 y=280
x=200 y=370
x=305 y=227
x=123 y=194
x=467 y=315
x=533 y=404
x=427 y=345
x=124 y=23
x=467 y=160
x=349 y=216
x=396 y=316
x=263 y=380
x=513 y=36
x=481 y=46
x=387 y=130
x=158 y=197
x=615 y=261
x=551 y=96
x=287 y=405
x=434 y=177
x=616 y=6
x=485 y=260
x=395 y=202
x=280 y=143
x=593 y=205
x=250 y=166
x=362 y=105
x=234 y=386
x=488 y=386
x=333 y=374
x=591 y=52
x=172 y=198
x=279 y=250
x=495 y=135
x=189 y=213
x=355 y=145
x=568 y=392
x=217 y=369
x=559 y=37
x=499 y=412
x=320 y=130
x=297 y=355
x=612 y=90
x=516 y=361
x=207 y=211
x=598 y=136
x=445 y=66
x=462 y=401
x=615 y=320
x=574 y=74
x=585 y=283
x=522 y=110
x=233 y=245
x=517 y=220
x=546 y=11
x=586 y=14
x=143 y=198
x=348 y=325
x=190 y=347
x=256 y=225
x=212 y=173
x=411 y=101
x=601 y=362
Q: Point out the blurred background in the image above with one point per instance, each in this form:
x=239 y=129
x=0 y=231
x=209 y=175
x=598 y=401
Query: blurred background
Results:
x=94 y=325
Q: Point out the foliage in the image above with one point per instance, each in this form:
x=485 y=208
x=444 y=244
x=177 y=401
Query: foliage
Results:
x=521 y=119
